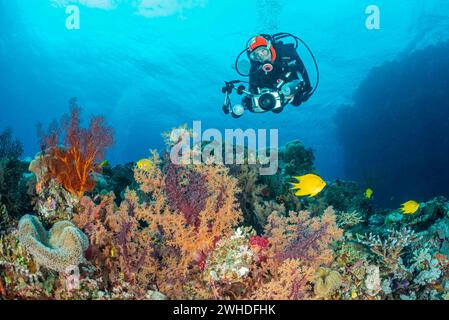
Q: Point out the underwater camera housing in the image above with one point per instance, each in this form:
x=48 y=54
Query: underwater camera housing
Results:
x=264 y=101
x=267 y=100
x=274 y=100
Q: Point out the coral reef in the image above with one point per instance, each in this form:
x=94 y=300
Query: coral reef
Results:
x=159 y=230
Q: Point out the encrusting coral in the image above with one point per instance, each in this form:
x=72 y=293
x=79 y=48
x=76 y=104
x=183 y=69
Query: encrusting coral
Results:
x=60 y=249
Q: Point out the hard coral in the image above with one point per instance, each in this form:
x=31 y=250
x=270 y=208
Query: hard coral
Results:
x=73 y=163
x=60 y=249
x=391 y=247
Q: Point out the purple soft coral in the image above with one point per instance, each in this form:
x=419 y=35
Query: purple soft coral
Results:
x=186 y=192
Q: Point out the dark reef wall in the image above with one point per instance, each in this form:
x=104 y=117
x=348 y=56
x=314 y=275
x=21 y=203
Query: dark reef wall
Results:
x=395 y=136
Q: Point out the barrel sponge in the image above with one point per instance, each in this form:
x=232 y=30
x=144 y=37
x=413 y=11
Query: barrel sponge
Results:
x=60 y=249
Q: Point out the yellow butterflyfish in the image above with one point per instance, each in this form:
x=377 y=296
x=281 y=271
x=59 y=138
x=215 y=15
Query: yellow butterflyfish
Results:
x=308 y=185
x=145 y=164
x=369 y=193
x=410 y=207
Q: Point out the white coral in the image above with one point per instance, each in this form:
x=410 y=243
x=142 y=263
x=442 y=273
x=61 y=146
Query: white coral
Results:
x=373 y=281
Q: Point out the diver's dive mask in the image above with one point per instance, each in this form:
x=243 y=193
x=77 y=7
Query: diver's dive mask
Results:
x=261 y=54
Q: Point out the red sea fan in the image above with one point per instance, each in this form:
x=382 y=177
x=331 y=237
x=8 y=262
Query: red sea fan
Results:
x=72 y=163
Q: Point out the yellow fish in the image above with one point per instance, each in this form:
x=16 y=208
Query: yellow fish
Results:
x=369 y=193
x=113 y=252
x=145 y=164
x=410 y=207
x=104 y=164
x=308 y=185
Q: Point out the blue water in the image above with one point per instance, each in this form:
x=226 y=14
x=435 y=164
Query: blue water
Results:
x=153 y=65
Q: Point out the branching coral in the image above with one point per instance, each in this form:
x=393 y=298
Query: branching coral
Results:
x=60 y=249
x=349 y=219
x=72 y=164
x=389 y=249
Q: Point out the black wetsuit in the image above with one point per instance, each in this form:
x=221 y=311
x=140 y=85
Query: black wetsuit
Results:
x=285 y=54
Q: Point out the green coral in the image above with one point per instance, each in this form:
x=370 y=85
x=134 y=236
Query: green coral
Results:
x=59 y=249
x=297 y=159
x=14 y=185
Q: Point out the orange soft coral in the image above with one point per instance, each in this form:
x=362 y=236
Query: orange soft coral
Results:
x=300 y=236
x=118 y=243
x=298 y=245
x=73 y=163
x=193 y=207
x=290 y=281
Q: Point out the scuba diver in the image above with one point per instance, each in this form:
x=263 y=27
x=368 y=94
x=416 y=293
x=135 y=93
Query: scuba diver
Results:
x=277 y=76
